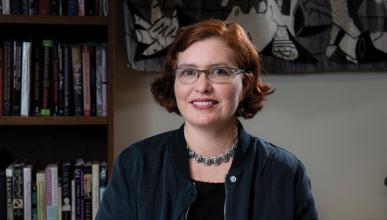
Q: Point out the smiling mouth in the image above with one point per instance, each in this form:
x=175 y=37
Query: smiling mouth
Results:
x=203 y=103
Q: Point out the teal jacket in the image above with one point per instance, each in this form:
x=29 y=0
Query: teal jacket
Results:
x=150 y=180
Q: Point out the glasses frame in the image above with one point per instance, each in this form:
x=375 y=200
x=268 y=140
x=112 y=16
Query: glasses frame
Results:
x=236 y=71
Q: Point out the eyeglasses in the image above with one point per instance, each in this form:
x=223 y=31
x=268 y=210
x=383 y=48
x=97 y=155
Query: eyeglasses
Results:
x=217 y=75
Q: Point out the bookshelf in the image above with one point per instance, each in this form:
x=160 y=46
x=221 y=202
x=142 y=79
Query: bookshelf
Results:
x=43 y=140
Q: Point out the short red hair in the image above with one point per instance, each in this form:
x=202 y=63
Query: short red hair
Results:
x=254 y=91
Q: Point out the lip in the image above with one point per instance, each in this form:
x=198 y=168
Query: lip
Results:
x=203 y=107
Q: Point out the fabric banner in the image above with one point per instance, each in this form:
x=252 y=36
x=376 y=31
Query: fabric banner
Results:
x=290 y=35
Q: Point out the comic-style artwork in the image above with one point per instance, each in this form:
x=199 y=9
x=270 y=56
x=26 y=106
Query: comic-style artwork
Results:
x=290 y=35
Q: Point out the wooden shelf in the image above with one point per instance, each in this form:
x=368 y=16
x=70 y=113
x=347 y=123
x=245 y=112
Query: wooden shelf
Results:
x=48 y=120
x=54 y=19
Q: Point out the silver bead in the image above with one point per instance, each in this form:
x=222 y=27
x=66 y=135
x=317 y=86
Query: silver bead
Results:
x=231 y=153
x=215 y=161
x=191 y=153
x=223 y=157
x=198 y=158
x=206 y=161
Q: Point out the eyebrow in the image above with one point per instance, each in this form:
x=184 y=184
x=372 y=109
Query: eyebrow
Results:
x=209 y=67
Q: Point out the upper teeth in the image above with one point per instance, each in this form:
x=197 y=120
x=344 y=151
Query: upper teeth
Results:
x=203 y=103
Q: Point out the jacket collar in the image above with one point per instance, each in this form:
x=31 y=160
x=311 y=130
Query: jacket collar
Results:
x=179 y=154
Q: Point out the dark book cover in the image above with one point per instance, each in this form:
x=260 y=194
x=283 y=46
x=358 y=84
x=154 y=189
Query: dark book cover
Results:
x=1 y=80
x=66 y=190
x=87 y=191
x=96 y=2
x=78 y=183
x=64 y=7
x=15 y=7
x=3 y=196
x=61 y=80
x=31 y=7
x=46 y=82
x=55 y=80
x=54 y=7
x=36 y=11
x=7 y=77
x=66 y=81
x=90 y=7
x=16 y=86
x=72 y=7
x=25 y=7
x=93 y=81
x=44 y=7
x=36 y=79
x=76 y=62
x=18 y=202
x=34 y=200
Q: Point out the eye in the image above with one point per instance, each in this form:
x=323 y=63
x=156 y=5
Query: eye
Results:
x=220 y=72
x=187 y=72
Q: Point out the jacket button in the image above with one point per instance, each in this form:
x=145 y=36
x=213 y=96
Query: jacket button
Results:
x=233 y=179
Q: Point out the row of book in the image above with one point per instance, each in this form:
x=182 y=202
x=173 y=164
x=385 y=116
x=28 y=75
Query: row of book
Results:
x=65 y=191
x=46 y=78
x=55 y=7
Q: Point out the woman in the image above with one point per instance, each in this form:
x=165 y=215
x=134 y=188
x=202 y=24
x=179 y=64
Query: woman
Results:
x=210 y=168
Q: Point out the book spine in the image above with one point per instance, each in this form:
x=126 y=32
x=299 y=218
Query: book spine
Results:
x=18 y=202
x=101 y=7
x=59 y=198
x=66 y=192
x=72 y=7
x=104 y=84
x=27 y=193
x=93 y=82
x=89 y=7
x=77 y=80
x=3 y=191
x=16 y=87
x=54 y=7
x=86 y=80
x=51 y=193
x=66 y=75
x=78 y=181
x=34 y=201
x=7 y=77
x=44 y=7
x=36 y=9
x=9 y=198
x=95 y=202
x=65 y=7
x=46 y=104
x=102 y=180
x=26 y=75
x=98 y=63
x=60 y=80
x=37 y=80
x=60 y=7
x=31 y=7
x=15 y=6
x=87 y=192
x=41 y=189
x=105 y=7
x=1 y=80
x=96 y=3
x=73 y=199
x=5 y=7
x=81 y=7
x=55 y=80
x=24 y=7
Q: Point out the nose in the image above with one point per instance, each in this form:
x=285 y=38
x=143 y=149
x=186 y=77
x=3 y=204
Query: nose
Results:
x=203 y=85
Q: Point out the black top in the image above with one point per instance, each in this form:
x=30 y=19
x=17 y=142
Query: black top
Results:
x=209 y=203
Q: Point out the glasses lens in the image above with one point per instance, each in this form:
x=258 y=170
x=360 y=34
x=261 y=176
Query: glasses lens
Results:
x=186 y=75
x=220 y=75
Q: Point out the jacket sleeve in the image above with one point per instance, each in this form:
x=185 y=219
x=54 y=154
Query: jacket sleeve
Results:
x=116 y=200
x=304 y=203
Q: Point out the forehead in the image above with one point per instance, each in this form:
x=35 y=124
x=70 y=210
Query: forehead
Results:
x=206 y=53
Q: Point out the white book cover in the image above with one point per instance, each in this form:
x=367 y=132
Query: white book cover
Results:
x=72 y=199
x=104 y=83
x=95 y=173
x=6 y=7
x=52 y=192
x=27 y=178
x=41 y=192
x=26 y=77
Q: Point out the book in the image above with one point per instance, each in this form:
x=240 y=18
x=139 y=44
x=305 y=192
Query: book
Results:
x=66 y=191
x=73 y=199
x=78 y=184
x=26 y=79
x=102 y=179
x=9 y=185
x=15 y=7
x=98 y=64
x=34 y=200
x=60 y=80
x=18 y=197
x=95 y=173
x=41 y=193
x=16 y=85
x=55 y=80
x=27 y=179
x=36 y=85
x=89 y=7
x=36 y=9
x=66 y=81
x=86 y=79
x=87 y=190
x=52 y=192
x=3 y=196
x=76 y=63
x=81 y=7
x=101 y=2
x=6 y=7
x=44 y=7
x=104 y=83
x=1 y=80
x=24 y=7
x=64 y=7
x=54 y=7
x=59 y=197
x=60 y=7
x=93 y=81
x=72 y=7
x=31 y=7
x=96 y=3
x=46 y=104
x=7 y=76
x=105 y=7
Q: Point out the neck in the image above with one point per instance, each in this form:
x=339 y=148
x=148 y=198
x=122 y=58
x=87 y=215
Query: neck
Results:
x=211 y=141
